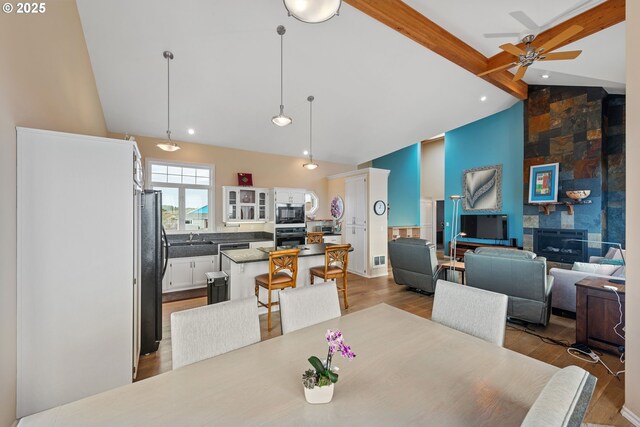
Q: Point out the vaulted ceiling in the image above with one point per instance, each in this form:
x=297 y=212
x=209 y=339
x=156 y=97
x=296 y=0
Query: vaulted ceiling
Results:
x=375 y=90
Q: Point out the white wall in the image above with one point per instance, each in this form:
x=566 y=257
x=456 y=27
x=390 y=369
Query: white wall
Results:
x=432 y=169
x=632 y=380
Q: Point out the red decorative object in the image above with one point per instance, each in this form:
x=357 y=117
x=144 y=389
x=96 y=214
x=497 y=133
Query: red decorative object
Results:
x=245 y=180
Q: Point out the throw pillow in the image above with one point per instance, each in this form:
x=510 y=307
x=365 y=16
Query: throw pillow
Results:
x=604 y=269
x=619 y=272
x=612 y=261
x=614 y=253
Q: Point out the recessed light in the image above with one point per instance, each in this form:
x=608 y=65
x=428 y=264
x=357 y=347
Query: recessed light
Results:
x=305 y=152
x=191 y=131
x=545 y=76
x=483 y=98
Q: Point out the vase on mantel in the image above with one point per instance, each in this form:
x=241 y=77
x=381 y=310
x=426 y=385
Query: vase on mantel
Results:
x=318 y=395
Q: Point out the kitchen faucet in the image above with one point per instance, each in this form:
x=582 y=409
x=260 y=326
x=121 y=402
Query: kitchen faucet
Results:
x=191 y=236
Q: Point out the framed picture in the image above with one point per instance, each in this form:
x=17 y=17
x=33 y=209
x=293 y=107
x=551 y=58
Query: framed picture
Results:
x=543 y=183
x=337 y=207
x=245 y=180
x=482 y=189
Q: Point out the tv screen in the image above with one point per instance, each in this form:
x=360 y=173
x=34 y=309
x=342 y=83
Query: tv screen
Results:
x=484 y=226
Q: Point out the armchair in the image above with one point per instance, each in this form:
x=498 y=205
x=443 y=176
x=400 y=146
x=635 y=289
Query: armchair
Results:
x=414 y=263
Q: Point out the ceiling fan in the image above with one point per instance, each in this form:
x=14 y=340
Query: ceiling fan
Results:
x=530 y=54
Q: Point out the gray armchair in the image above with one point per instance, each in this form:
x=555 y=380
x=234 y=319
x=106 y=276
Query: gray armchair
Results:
x=518 y=274
x=414 y=263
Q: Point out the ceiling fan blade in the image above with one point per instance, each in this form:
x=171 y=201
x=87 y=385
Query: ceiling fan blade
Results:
x=500 y=35
x=500 y=68
x=567 y=12
x=524 y=19
x=566 y=34
x=512 y=49
x=520 y=73
x=554 y=56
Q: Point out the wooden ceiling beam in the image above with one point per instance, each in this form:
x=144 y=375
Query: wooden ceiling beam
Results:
x=406 y=20
x=605 y=15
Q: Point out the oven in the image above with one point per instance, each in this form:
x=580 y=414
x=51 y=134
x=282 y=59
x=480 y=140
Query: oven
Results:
x=287 y=213
x=290 y=236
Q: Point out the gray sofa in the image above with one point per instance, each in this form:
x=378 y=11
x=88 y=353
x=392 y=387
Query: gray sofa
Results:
x=518 y=274
x=414 y=263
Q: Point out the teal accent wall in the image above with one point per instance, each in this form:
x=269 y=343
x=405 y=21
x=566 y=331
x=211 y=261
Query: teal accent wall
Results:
x=404 y=185
x=497 y=139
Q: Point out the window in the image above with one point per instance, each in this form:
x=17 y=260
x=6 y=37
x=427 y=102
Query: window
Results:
x=187 y=194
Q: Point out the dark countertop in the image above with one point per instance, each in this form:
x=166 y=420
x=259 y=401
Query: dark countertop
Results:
x=215 y=238
x=241 y=256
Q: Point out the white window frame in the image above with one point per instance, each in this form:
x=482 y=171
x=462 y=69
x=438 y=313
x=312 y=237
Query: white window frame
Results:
x=150 y=185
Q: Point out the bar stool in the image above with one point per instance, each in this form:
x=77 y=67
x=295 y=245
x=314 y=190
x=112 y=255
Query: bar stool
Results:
x=336 y=260
x=315 y=237
x=278 y=279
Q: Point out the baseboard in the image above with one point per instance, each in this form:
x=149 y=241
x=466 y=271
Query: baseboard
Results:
x=385 y=273
x=630 y=416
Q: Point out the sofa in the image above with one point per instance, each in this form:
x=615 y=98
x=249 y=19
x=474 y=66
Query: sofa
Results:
x=414 y=263
x=521 y=275
x=564 y=292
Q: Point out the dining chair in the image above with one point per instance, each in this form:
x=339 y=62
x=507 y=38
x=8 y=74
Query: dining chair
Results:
x=306 y=306
x=474 y=311
x=204 y=332
x=315 y=237
x=336 y=261
x=563 y=400
x=277 y=278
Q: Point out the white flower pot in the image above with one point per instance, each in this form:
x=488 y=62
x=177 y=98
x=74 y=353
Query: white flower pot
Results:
x=318 y=395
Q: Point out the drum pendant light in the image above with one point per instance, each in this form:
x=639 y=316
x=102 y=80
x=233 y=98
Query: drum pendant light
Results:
x=311 y=165
x=281 y=119
x=169 y=145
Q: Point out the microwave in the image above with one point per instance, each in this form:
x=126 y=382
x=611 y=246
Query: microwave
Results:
x=287 y=213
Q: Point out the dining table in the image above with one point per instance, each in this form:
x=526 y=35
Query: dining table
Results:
x=408 y=371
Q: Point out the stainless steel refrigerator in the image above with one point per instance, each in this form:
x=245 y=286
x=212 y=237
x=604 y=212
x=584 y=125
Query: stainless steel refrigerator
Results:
x=154 y=255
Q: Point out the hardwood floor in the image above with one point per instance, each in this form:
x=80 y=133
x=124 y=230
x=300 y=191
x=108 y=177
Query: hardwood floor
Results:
x=608 y=396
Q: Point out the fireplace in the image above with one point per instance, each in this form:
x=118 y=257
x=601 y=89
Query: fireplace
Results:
x=560 y=245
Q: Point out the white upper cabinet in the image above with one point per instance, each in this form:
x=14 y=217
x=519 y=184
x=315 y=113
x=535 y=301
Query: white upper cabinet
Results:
x=245 y=204
x=293 y=196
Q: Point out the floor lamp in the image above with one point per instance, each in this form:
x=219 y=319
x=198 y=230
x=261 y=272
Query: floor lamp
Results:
x=454 y=230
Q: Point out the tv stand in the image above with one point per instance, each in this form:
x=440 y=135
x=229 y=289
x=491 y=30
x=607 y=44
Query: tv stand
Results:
x=462 y=247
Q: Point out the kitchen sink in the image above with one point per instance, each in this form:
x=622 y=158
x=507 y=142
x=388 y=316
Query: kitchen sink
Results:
x=193 y=243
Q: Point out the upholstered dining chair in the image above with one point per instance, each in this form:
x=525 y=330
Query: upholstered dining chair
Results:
x=315 y=237
x=563 y=401
x=306 y=306
x=204 y=332
x=336 y=261
x=473 y=311
x=277 y=278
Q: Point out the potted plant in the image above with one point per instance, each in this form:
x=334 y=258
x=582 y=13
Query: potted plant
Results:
x=318 y=382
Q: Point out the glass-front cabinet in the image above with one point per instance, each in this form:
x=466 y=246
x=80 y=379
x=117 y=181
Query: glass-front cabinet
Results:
x=245 y=204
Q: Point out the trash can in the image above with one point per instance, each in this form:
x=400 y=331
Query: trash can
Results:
x=217 y=287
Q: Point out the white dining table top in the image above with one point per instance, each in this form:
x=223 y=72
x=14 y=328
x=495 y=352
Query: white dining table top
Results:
x=408 y=371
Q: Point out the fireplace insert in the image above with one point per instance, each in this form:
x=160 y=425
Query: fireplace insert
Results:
x=561 y=245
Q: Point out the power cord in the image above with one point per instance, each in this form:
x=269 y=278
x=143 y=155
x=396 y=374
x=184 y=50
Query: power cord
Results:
x=588 y=352
x=544 y=339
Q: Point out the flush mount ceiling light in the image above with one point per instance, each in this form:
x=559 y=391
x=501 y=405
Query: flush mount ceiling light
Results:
x=483 y=98
x=281 y=119
x=169 y=145
x=313 y=11
x=191 y=131
x=545 y=76
x=311 y=165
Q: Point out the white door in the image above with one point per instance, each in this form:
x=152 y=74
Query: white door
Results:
x=200 y=267
x=357 y=236
x=181 y=273
x=426 y=219
x=361 y=201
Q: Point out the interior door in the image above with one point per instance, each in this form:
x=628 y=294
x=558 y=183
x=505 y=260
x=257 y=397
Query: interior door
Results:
x=357 y=236
x=440 y=223
x=426 y=218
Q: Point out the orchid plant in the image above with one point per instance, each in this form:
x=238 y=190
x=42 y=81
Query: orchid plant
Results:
x=322 y=374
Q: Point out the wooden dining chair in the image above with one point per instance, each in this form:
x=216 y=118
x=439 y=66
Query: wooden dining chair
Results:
x=277 y=278
x=336 y=261
x=473 y=311
x=315 y=237
x=204 y=332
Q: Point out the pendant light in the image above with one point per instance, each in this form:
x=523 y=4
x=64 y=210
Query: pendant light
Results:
x=313 y=11
x=311 y=165
x=281 y=119
x=169 y=145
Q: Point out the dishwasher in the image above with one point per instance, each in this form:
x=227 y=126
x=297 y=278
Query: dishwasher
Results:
x=227 y=246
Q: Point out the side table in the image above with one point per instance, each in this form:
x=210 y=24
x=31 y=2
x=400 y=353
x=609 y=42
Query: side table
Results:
x=597 y=312
x=458 y=266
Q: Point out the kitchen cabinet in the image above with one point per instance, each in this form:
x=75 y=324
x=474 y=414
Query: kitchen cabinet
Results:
x=245 y=204
x=294 y=196
x=332 y=239
x=188 y=273
x=356 y=223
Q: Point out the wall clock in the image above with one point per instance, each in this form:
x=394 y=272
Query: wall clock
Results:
x=379 y=207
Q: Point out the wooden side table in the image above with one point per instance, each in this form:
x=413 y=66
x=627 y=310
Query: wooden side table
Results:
x=458 y=266
x=597 y=312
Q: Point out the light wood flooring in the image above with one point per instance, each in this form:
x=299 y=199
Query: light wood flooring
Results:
x=607 y=399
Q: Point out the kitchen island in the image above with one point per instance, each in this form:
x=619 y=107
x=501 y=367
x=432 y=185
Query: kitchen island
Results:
x=243 y=265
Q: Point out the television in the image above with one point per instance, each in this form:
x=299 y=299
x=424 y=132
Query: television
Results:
x=484 y=226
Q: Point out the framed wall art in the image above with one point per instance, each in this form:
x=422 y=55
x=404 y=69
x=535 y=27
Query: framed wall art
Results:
x=482 y=189
x=543 y=183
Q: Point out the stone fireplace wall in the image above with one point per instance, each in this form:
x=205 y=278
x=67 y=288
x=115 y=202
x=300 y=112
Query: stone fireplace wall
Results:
x=582 y=129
